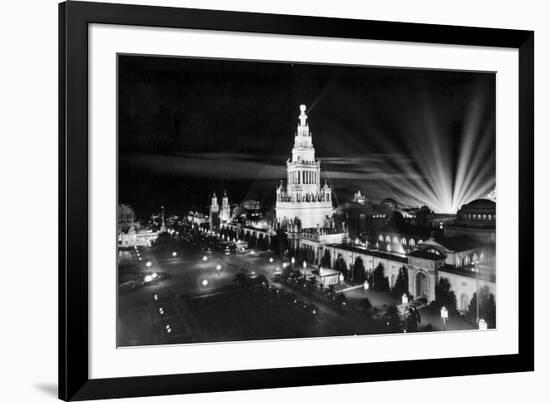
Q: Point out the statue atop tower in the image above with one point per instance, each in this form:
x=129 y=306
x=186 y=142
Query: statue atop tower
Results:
x=303 y=115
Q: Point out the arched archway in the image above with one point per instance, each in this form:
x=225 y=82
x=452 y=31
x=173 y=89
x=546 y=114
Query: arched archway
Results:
x=421 y=285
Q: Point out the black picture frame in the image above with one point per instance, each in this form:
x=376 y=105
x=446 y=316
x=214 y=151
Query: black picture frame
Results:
x=74 y=18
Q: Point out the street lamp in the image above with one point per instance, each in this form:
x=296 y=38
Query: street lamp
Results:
x=292 y=260
x=148 y=278
x=174 y=254
x=444 y=317
x=205 y=258
x=204 y=282
x=218 y=268
x=366 y=285
x=475 y=261
x=271 y=259
x=148 y=264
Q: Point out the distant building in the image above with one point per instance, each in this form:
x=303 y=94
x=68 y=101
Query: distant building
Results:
x=130 y=234
x=358 y=198
x=137 y=238
x=225 y=213
x=477 y=219
x=197 y=219
x=389 y=203
x=126 y=217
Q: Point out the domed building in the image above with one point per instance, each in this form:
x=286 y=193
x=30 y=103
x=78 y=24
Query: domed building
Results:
x=478 y=212
x=389 y=203
x=476 y=218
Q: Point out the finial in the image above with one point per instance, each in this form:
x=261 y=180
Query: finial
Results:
x=303 y=115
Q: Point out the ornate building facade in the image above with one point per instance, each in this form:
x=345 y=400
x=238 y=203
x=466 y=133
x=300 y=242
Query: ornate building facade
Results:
x=225 y=213
x=303 y=200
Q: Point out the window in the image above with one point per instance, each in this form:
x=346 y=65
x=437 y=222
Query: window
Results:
x=466 y=260
x=388 y=239
x=395 y=239
x=404 y=241
x=380 y=238
x=411 y=242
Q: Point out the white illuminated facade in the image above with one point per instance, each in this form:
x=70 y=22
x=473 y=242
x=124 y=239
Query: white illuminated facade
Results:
x=225 y=213
x=304 y=198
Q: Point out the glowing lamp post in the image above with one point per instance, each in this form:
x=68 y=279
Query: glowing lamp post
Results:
x=444 y=317
x=218 y=268
x=366 y=285
x=148 y=264
x=292 y=260
x=405 y=300
x=204 y=283
x=271 y=260
x=174 y=254
x=205 y=258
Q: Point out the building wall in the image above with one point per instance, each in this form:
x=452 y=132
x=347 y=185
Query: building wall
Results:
x=464 y=287
x=311 y=214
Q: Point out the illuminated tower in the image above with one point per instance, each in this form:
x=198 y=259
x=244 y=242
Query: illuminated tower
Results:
x=214 y=212
x=304 y=199
x=225 y=213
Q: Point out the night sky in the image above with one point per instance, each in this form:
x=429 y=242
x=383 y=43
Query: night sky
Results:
x=188 y=127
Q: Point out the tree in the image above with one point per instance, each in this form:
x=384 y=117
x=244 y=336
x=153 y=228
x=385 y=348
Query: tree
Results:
x=393 y=319
x=379 y=280
x=325 y=260
x=359 y=270
x=163 y=238
x=340 y=265
x=365 y=304
x=444 y=296
x=401 y=283
x=241 y=278
x=487 y=307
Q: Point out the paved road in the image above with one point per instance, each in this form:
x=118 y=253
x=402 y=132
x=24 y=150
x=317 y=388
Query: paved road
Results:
x=191 y=275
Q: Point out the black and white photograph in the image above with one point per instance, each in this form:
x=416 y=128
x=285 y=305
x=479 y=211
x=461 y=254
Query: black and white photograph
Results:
x=273 y=200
